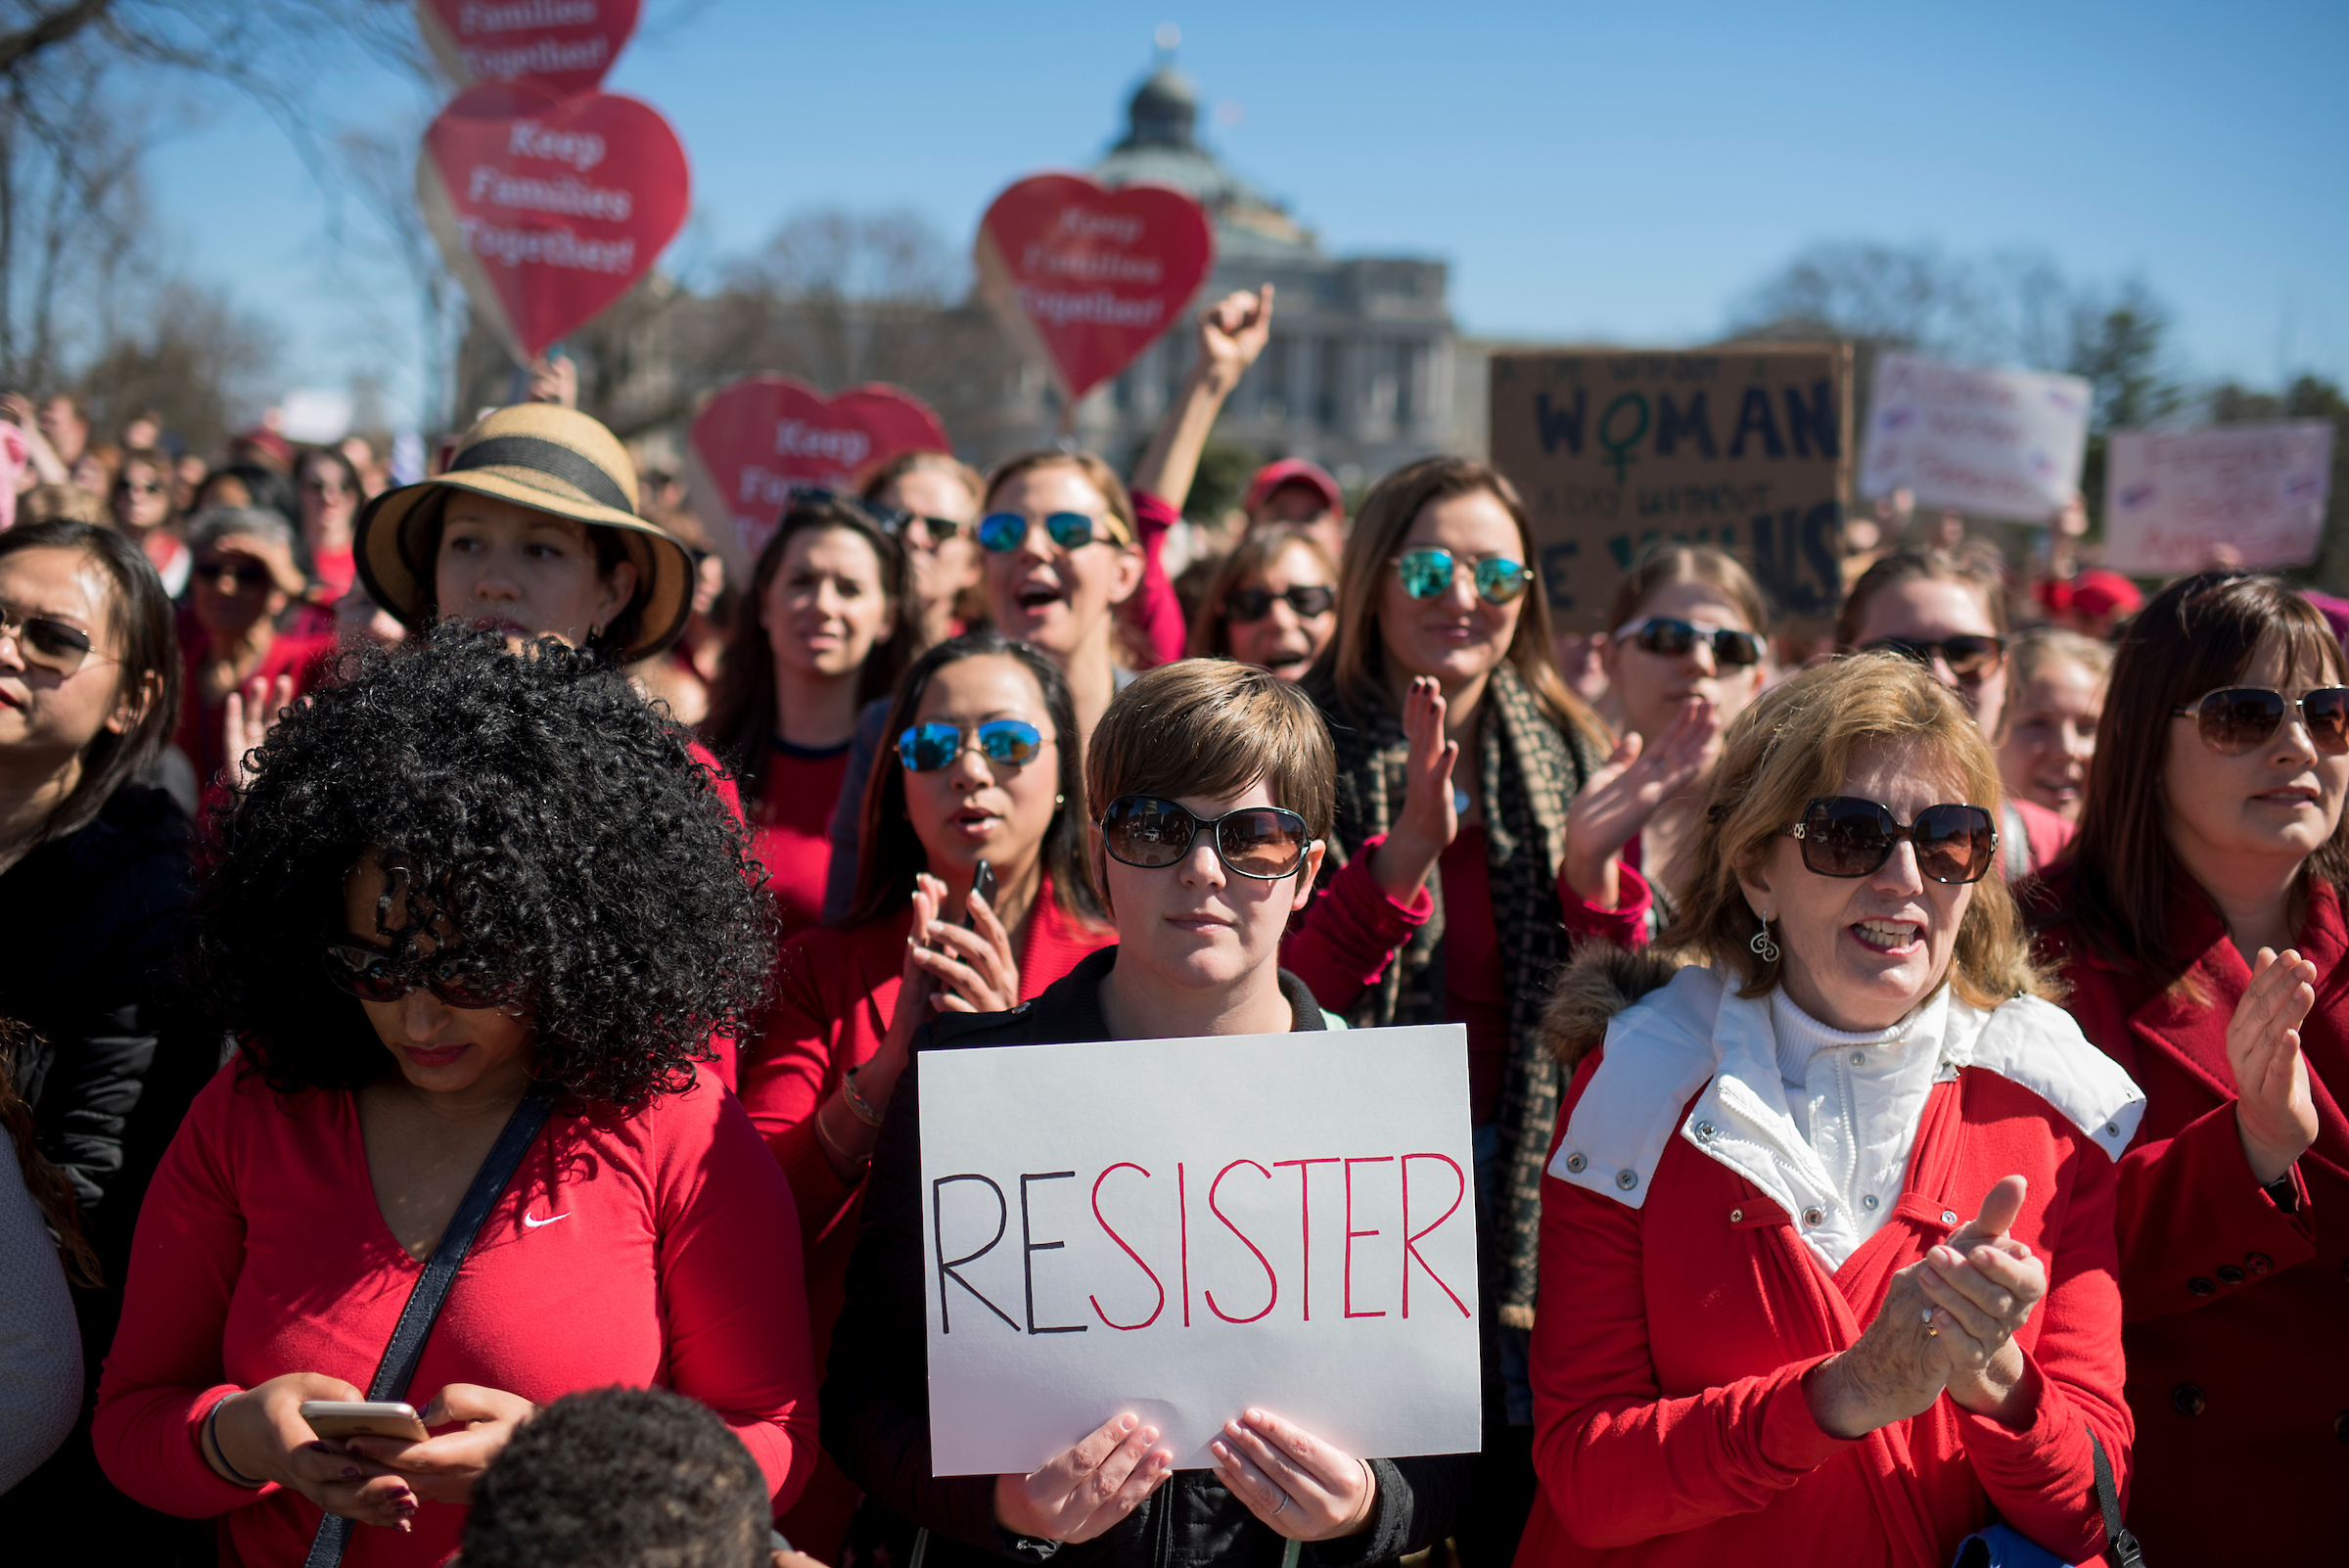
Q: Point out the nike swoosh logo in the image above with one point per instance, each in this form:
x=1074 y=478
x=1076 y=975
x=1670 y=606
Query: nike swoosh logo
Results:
x=533 y=1223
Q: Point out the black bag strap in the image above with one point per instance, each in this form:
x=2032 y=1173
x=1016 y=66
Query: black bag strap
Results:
x=2119 y=1542
x=397 y=1368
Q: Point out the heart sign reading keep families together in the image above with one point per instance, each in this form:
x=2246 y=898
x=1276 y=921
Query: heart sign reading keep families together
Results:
x=549 y=208
x=567 y=44
x=757 y=439
x=1086 y=278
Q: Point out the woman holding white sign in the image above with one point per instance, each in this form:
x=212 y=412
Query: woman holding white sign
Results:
x=1210 y=782
x=1827 y=1258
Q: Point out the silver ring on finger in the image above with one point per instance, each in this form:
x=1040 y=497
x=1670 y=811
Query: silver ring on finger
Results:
x=1931 y=1332
x=1284 y=1502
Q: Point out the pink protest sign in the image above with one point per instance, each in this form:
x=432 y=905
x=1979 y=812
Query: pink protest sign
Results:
x=758 y=438
x=1086 y=278
x=567 y=45
x=549 y=208
x=2260 y=489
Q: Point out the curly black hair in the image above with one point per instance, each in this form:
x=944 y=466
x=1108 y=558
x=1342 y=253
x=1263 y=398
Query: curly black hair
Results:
x=627 y=1477
x=535 y=809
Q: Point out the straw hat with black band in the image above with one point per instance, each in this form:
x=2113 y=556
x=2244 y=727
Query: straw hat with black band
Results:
x=550 y=459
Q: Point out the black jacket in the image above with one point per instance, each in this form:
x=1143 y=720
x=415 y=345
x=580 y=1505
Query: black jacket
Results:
x=875 y=1403
x=88 y=929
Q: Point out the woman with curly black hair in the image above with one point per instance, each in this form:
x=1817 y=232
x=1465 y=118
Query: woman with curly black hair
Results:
x=456 y=876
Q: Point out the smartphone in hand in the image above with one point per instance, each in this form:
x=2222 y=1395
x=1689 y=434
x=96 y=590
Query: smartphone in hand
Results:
x=333 y=1419
x=983 y=884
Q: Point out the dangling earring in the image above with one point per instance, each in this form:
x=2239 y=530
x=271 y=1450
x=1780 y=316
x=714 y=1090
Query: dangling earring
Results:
x=1763 y=948
x=595 y=631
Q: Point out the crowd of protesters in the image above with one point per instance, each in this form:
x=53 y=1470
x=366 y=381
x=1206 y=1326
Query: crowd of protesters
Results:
x=1904 y=1061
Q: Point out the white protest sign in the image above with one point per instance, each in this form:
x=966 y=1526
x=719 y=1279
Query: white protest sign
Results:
x=2260 y=488
x=1997 y=442
x=1185 y=1228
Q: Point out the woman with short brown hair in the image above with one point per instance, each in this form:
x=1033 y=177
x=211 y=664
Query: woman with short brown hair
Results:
x=1827 y=1235
x=2198 y=920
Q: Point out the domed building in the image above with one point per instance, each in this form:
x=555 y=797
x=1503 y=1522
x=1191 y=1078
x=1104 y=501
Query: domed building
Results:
x=1358 y=374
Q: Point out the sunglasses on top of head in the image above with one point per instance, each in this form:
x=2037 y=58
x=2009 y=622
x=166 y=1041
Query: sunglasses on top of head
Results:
x=373 y=975
x=927 y=748
x=2242 y=719
x=1430 y=573
x=1970 y=658
x=1671 y=638
x=1845 y=836
x=1263 y=843
x=1244 y=605
x=1005 y=531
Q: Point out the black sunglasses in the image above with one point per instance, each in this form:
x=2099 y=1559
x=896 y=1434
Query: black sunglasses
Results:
x=1243 y=605
x=248 y=574
x=1845 y=836
x=1265 y=843
x=1670 y=638
x=897 y=520
x=2242 y=719
x=373 y=975
x=1970 y=658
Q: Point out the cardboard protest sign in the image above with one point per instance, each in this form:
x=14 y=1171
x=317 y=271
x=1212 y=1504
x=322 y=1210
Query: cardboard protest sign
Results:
x=758 y=438
x=549 y=208
x=1185 y=1228
x=1997 y=442
x=1083 y=278
x=567 y=45
x=2259 y=488
x=1744 y=448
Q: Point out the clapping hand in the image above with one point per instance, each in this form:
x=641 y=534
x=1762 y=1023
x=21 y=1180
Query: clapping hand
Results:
x=971 y=971
x=1982 y=1284
x=1297 y=1483
x=1622 y=795
x=2274 y=1113
x=1429 y=819
x=1089 y=1488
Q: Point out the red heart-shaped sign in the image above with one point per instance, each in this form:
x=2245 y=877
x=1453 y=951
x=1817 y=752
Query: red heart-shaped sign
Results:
x=1088 y=278
x=549 y=208
x=757 y=439
x=567 y=44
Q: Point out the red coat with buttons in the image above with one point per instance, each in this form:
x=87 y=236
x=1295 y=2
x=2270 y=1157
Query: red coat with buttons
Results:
x=2236 y=1308
x=1671 y=1422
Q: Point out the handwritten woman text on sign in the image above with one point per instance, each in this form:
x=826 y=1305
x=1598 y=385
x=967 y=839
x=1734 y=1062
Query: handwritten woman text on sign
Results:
x=1185 y=1228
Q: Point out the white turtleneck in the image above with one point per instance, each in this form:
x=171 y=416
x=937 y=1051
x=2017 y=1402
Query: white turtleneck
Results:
x=1857 y=1100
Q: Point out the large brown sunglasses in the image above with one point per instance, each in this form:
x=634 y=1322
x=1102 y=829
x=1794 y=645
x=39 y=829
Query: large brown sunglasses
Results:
x=1846 y=836
x=2242 y=719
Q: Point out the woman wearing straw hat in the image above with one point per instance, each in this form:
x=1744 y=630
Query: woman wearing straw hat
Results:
x=532 y=529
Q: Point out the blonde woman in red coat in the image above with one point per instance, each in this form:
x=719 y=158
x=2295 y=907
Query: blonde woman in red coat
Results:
x=1828 y=1265
x=2199 y=924
x=984 y=768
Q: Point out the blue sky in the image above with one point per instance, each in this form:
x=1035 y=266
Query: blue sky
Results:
x=1617 y=173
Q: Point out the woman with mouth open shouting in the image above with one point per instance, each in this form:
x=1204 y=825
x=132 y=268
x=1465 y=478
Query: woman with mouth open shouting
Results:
x=2198 y=921
x=1827 y=1263
x=984 y=773
x=1210 y=787
x=1272 y=603
x=469 y=901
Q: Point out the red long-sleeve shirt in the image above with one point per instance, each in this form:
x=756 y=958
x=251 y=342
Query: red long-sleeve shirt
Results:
x=658 y=1249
